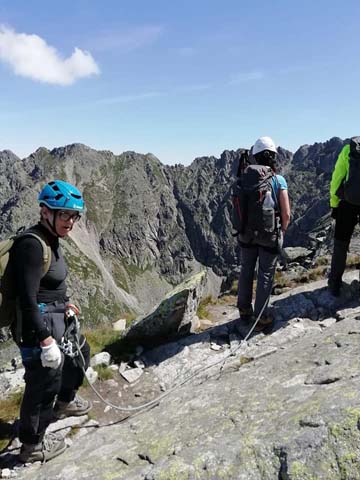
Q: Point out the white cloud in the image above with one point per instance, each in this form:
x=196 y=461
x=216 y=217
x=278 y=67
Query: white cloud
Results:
x=30 y=56
x=246 y=77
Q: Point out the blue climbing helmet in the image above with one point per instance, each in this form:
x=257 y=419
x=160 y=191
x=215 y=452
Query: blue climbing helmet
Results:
x=58 y=195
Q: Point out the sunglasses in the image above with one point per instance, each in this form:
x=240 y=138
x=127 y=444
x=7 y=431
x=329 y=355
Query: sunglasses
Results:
x=268 y=154
x=66 y=216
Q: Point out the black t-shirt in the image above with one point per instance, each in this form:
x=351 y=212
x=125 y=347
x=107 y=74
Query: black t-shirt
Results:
x=32 y=288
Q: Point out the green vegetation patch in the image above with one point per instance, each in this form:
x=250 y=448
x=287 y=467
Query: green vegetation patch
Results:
x=100 y=337
x=346 y=433
x=202 y=311
x=82 y=266
x=98 y=203
x=100 y=309
x=99 y=306
x=135 y=270
x=51 y=163
x=353 y=261
x=119 y=166
x=317 y=273
x=120 y=276
x=323 y=260
x=104 y=373
x=125 y=273
x=299 y=471
x=156 y=169
x=234 y=287
x=9 y=412
x=177 y=470
x=280 y=280
x=10 y=406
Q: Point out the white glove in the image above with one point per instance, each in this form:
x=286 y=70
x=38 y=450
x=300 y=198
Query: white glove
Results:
x=51 y=356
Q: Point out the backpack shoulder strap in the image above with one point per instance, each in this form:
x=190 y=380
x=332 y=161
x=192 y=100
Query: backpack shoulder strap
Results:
x=243 y=162
x=45 y=247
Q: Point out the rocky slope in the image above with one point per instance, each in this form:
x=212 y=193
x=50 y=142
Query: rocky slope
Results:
x=283 y=406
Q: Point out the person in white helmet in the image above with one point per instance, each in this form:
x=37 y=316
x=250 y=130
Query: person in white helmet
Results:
x=262 y=250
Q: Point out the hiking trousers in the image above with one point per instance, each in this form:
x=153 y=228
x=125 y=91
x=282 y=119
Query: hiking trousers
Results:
x=346 y=219
x=266 y=259
x=42 y=384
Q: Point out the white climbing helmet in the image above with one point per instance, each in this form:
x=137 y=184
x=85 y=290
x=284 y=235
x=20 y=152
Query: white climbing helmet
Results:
x=263 y=143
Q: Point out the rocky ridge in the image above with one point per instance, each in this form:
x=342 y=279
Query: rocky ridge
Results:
x=282 y=406
x=150 y=226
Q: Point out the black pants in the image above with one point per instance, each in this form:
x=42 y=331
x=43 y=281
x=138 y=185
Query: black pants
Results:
x=42 y=384
x=346 y=219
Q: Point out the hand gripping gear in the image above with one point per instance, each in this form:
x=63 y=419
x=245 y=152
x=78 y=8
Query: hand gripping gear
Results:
x=51 y=356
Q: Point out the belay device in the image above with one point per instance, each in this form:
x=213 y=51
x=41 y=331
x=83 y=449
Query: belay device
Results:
x=70 y=339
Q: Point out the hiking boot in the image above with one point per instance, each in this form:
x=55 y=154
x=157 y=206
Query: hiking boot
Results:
x=265 y=324
x=51 y=446
x=77 y=407
x=246 y=316
x=334 y=287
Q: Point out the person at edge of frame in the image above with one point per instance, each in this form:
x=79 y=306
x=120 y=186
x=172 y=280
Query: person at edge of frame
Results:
x=52 y=378
x=345 y=209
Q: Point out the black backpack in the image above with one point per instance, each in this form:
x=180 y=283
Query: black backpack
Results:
x=349 y=189
x=254 y=221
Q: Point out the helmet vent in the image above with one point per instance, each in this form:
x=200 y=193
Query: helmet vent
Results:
x=58 y=194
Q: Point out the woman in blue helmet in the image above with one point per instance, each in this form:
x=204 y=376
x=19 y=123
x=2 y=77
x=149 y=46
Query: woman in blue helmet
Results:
x=49 y=374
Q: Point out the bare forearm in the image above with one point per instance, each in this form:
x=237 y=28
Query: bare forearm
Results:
x=284 y=209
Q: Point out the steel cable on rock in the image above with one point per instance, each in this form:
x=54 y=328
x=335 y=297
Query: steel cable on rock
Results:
x=157 y=400
x=152 y=403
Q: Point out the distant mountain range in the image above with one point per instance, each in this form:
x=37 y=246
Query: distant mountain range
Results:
x=148 y=226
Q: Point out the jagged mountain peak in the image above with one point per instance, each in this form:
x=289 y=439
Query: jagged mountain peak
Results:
x=8 y=156
x=71 y=149
x=152 y=221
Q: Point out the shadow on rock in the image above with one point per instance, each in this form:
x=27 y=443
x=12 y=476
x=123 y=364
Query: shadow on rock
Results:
x=313 y=303
x=9 y=453
x=164 y=334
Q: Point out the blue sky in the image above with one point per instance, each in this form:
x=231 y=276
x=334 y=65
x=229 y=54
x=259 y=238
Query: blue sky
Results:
x=177 y=79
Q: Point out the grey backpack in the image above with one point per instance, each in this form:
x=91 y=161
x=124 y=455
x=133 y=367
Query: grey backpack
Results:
x=350 y=189
x=252 y=219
